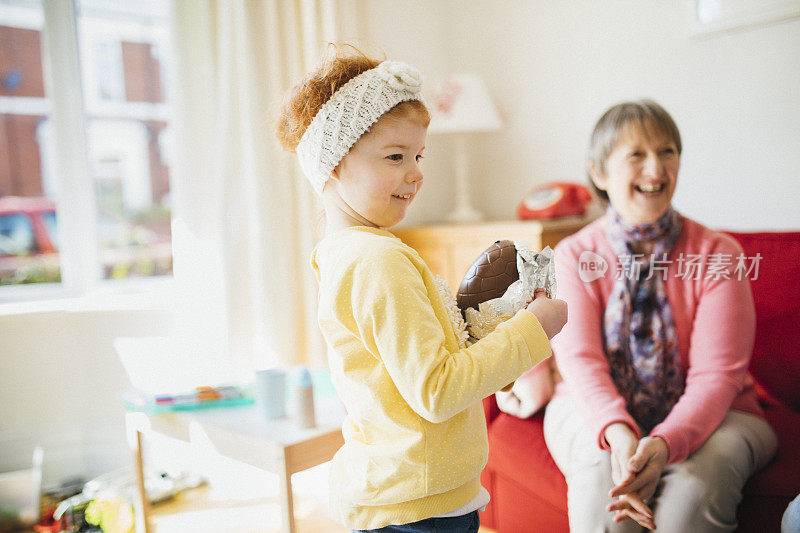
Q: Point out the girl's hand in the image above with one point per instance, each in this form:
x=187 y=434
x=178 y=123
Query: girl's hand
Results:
x=552 y=314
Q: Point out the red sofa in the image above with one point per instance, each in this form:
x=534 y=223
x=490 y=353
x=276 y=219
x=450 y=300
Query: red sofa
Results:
x=528 y=490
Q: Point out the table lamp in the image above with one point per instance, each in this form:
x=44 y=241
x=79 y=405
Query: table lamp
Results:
x=461 y=104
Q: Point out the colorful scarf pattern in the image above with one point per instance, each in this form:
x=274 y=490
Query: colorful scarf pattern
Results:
x=641 y=342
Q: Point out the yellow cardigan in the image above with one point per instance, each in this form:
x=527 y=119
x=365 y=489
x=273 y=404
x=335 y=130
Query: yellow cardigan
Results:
x=415 y=434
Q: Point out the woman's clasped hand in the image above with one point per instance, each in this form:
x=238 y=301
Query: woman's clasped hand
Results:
x=636 y=466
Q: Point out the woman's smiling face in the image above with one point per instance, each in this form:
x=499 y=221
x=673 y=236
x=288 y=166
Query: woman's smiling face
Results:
x=640 y=174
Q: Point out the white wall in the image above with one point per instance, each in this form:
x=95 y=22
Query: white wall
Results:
x=60 y=387
x=554 y=67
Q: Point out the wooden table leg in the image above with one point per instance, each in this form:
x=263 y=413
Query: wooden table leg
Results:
x=141 y=503
x=287 y=507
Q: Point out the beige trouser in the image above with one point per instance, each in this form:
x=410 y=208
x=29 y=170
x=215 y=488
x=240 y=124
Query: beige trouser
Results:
x=697 y=495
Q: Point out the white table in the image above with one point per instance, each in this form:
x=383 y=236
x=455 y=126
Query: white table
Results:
x=241 y=434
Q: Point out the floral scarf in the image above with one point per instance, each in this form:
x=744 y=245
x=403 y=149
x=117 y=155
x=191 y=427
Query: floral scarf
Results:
x=640 y=339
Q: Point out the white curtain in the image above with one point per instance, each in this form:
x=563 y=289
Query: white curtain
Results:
x=244 y=217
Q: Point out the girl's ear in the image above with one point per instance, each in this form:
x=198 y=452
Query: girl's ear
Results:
x=598 y=179
x=335 y=173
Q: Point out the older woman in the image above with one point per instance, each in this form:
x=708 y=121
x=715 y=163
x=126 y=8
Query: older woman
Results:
x=656 y=421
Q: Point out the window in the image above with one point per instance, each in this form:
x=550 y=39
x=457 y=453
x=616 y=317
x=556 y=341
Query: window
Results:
x=49 y=220
x=16 y=235
x=96 y=157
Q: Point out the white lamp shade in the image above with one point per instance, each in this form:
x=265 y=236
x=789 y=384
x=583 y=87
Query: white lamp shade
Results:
x=461 y=103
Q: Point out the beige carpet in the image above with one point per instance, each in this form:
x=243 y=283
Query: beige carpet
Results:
x=204 y=509
x=207 y=509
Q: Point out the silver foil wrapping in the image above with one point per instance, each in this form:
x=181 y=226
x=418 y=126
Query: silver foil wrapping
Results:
x=536 y=271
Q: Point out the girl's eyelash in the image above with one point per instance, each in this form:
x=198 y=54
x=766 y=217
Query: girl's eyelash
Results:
x=399 y=157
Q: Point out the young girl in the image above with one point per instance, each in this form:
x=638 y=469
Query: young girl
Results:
x=415 y=435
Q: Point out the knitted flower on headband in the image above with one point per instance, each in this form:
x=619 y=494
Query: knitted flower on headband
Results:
x=350 y=112
x=400 y=76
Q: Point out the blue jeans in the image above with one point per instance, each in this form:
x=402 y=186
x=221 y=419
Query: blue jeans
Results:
x=467 y=523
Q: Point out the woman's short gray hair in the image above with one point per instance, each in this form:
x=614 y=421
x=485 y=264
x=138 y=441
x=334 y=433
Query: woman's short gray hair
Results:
x=644 y=113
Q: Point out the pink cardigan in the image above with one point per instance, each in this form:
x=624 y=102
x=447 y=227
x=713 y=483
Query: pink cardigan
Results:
x=715 y=323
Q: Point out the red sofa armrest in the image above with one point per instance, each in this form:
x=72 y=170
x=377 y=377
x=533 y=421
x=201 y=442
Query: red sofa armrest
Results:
x=490 y=409
x=775 y=364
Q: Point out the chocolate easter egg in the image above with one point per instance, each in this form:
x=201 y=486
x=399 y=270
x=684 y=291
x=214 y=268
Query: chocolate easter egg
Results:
x=489 y=276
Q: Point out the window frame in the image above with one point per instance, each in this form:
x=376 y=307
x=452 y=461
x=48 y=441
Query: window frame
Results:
x=82 y=282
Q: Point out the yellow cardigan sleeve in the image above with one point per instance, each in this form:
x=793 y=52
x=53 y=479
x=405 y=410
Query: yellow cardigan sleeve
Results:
x=397 y=322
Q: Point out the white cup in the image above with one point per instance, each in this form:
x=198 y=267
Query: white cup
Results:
x=269 y=391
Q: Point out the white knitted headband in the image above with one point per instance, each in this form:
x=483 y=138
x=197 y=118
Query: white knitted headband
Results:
x=350 y=112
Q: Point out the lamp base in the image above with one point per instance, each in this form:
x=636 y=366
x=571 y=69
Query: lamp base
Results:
x=463 y=210
x=465 y=213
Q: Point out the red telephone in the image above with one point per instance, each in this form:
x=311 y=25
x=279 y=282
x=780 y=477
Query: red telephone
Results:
x=554 y=199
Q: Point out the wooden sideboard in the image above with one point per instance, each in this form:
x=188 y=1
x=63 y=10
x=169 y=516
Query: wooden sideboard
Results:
x=450 y=249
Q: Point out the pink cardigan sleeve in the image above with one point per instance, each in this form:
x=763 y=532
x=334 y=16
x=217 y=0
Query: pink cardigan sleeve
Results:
x=578 y=349
x=721 y=342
